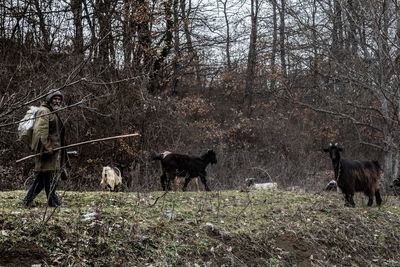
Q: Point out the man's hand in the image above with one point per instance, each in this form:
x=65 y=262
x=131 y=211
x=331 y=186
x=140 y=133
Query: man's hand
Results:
x=48 y=152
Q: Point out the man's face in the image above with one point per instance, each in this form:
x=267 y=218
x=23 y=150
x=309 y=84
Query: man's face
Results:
x=56 y=101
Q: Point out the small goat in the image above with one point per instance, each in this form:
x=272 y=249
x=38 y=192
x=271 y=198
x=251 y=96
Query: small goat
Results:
x=355 y=176
x=331 y=186
x=178 y=165
x=111 y=178
x=250 y=182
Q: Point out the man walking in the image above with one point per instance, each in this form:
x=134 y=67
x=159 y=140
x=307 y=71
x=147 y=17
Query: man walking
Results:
x=48 y=133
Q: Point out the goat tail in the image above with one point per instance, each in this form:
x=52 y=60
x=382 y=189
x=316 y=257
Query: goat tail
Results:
x=162 y=155
x=158 y=157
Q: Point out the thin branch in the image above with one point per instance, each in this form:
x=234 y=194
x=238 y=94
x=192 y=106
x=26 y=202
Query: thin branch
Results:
x=58 y=110
x=158 y=198
x=338 y=114
x=39 y=97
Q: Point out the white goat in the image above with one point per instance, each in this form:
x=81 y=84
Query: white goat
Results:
x=250 y=182
x=111 y=178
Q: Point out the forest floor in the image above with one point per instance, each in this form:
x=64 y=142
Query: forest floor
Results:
x=227 y=228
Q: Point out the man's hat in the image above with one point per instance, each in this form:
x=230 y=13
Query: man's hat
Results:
x=53 y=94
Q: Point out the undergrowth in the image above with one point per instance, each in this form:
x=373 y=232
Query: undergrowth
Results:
x=229 y=228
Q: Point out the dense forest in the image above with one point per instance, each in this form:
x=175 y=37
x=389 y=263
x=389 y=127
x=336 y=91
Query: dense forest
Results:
x=266 y=84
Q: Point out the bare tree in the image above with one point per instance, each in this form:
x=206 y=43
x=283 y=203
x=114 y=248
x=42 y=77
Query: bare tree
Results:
x=104 y=12
x=128 y=32
x=156 y=73
x=282 y=29
x=365 y=89
x=177 y=51
x=143 y=18
x=44 y=28
x=77 y=9
x=228 y=34
x=252 y=55
x=192 y=53
x=337 y=28
x=274 y=44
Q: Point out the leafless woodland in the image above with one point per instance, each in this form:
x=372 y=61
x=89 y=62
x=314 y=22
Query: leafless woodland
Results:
x=265 y=84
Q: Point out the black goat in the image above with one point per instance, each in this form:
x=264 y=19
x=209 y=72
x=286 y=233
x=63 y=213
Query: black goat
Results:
x=174 y=165
x=355 y=176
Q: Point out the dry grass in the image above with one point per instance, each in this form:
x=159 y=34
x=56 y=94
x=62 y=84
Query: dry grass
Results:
x=228 y=228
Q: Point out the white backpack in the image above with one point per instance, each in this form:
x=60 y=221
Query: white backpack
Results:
x=25 y=126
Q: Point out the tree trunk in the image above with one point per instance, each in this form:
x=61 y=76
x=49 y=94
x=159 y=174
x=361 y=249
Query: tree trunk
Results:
x=43 y=27
x=384 y=76
x=251 y=59
x=76 y=6
x=228 y=37
x=177 y=56
x=337 y=29
x=156 y=74
x=128 y=32
x=352 y=43
x=315 y=46
x=282 y=12
x=106 y=46
x=274 y=45
x=388 y=153
x=90 y=21
x=188 y=35
x=143 y=55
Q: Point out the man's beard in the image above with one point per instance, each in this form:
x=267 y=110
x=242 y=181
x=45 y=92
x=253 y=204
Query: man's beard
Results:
x=56 y=107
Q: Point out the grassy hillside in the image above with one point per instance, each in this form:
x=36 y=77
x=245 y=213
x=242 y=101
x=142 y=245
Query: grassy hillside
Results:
x=228 y=228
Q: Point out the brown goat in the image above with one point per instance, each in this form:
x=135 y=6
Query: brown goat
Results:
x=355 y=176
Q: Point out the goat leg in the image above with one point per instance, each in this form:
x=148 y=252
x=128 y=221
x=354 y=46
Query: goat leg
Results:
x=370 y=198
x=378 y=198
x=370 y=201
x=187 y=180
x=204 y=181
x=163 y=179
x=349 y=202
x=170 y=177
x=352 y=200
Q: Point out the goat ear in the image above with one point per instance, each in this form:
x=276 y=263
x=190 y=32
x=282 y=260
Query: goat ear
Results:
x=340 y=149
x=325 y=149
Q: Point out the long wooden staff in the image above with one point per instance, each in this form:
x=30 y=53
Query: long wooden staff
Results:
x=82 y=143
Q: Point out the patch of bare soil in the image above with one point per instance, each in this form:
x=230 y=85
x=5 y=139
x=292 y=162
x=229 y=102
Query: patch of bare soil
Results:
x=298 y=251
x=21 y=254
